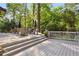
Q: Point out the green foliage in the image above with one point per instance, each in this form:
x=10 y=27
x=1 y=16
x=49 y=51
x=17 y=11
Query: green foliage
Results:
x=69 y=17
x=4 y=26
x=51 y=18
x=45 y=33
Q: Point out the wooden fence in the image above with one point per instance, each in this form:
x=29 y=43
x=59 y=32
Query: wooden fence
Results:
x=67 y=35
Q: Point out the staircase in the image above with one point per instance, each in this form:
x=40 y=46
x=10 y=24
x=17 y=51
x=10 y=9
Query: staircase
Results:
x=18 y=46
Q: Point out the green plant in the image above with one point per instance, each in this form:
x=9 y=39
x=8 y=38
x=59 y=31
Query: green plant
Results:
x=45 y=33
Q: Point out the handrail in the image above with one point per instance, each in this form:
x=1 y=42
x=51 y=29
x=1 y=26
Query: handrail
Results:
x=63 y=34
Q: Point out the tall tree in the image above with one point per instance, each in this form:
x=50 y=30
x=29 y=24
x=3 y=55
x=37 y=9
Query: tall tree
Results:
x=33 y=18
x=25 y=13
x=13 y=10
x=38 y=16
x=69 y=17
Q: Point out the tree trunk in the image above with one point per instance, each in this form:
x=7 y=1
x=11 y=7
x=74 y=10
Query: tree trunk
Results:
x=20 y=21
x=25 y=14
x=38 y=17
x=14 y=19
x=33 y=24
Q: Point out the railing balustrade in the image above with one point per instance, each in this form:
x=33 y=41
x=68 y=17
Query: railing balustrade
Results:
x=63 y=35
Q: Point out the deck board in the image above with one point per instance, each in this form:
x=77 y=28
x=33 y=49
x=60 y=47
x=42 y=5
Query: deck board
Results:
x=53 y=47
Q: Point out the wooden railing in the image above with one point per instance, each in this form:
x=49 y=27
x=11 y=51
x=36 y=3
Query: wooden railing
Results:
x=63 y=35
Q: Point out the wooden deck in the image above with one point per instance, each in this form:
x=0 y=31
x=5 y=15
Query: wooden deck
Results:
x=53 y=47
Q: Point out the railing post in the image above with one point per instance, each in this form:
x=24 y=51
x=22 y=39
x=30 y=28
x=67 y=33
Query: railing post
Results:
x=49 y=34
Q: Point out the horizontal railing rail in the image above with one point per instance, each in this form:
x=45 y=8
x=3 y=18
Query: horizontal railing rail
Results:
x=68 y=35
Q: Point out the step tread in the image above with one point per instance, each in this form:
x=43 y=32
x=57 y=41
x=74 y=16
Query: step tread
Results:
x=21 y=44
x=16 y=42
x=22 y=48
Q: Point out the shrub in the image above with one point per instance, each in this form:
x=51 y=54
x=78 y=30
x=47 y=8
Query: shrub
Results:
x=45 y=33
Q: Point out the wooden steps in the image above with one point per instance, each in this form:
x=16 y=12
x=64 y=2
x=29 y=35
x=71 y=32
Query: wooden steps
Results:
x=18 y=46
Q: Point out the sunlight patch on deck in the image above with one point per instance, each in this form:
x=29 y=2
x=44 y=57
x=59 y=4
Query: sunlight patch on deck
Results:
x=76 y=49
